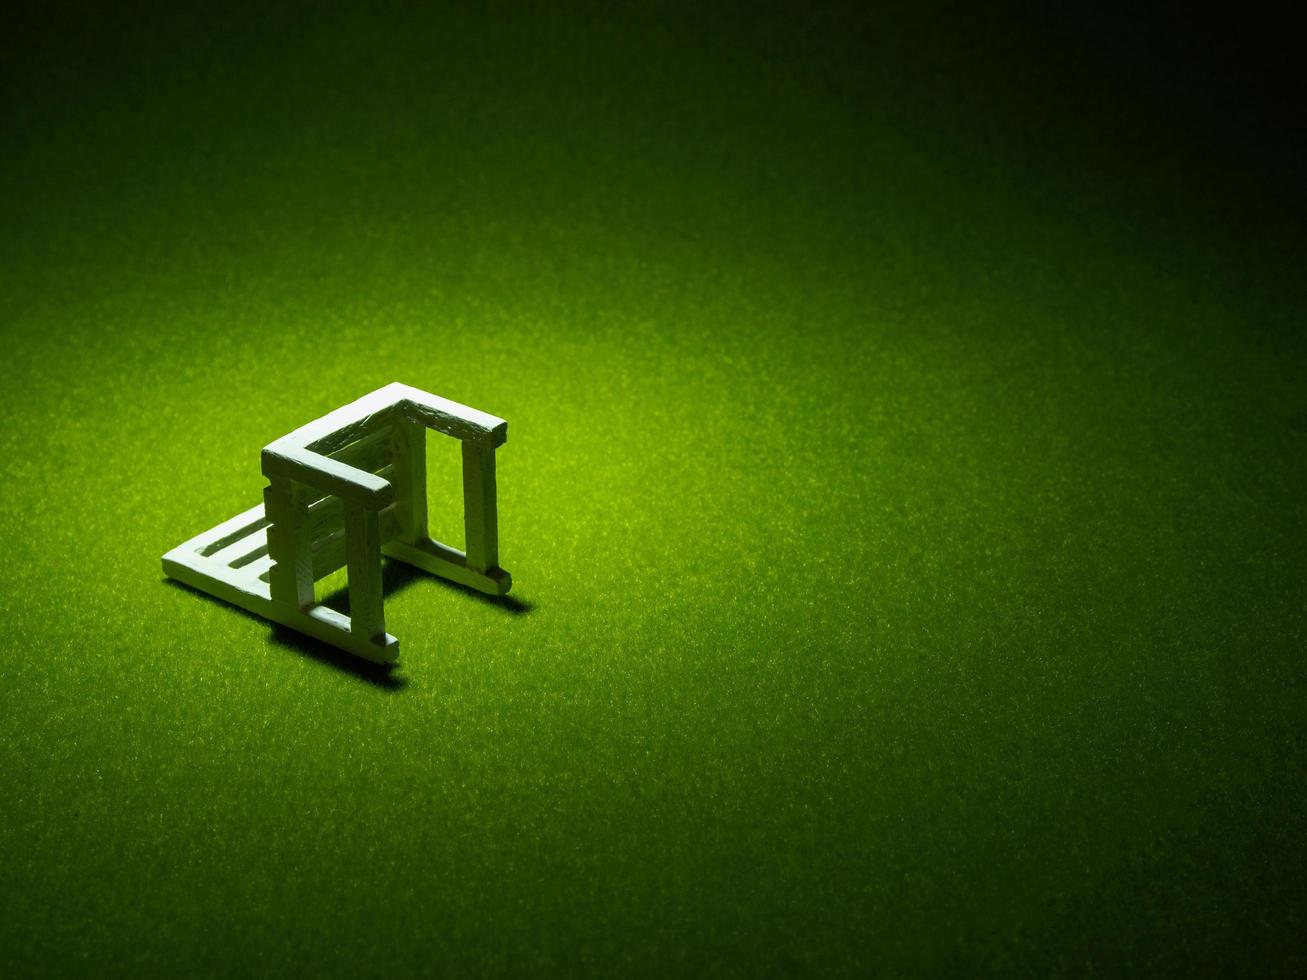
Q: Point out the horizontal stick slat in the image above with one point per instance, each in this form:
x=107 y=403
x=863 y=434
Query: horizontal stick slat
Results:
x=329 y=442
x=329 y=521
x=370 y=453
x=328 y=475
x=329 y=552
x=344 y=425
x=451 y=418
x=228 y=532
x=384 y=472
x=439 y=559
x=240 y=553
x=326 y=518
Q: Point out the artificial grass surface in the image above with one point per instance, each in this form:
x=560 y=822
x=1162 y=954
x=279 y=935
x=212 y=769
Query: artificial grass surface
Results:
x=902 y=494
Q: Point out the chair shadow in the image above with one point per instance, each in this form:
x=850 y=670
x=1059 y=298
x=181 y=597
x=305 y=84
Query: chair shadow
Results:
x=396 y=576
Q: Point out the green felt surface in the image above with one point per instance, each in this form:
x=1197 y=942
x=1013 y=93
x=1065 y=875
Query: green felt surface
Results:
x=903 y=496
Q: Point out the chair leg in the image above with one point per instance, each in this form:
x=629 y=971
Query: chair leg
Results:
x=367 y=616
x=289 y=543
x=480 y=517
x=410 y=478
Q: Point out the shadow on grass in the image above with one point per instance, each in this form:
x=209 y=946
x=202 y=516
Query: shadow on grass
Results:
x=377 y=675
x=395 y=577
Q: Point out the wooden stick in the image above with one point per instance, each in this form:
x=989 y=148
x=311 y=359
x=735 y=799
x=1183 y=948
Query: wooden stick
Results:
x=480 y=516
x=367 y=616
x=410 y=479
x=290 y=544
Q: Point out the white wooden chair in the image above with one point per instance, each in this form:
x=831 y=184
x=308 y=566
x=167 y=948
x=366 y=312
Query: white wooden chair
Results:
x=343 y=491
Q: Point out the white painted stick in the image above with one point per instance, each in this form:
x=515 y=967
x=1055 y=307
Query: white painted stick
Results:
x=367 y=616
x=480 y=512
x=372 y=452
x=327 y=474
x=289 y=544
x=410 y=478
x=449 y=563
x=451 y=418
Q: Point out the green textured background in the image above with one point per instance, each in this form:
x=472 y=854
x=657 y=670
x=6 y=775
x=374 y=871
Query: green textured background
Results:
x=903 y=494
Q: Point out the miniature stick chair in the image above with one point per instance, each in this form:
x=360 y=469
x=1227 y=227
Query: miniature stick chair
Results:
x=343 y=491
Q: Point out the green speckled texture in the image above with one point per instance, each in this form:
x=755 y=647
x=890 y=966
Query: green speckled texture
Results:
x=903 y=495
